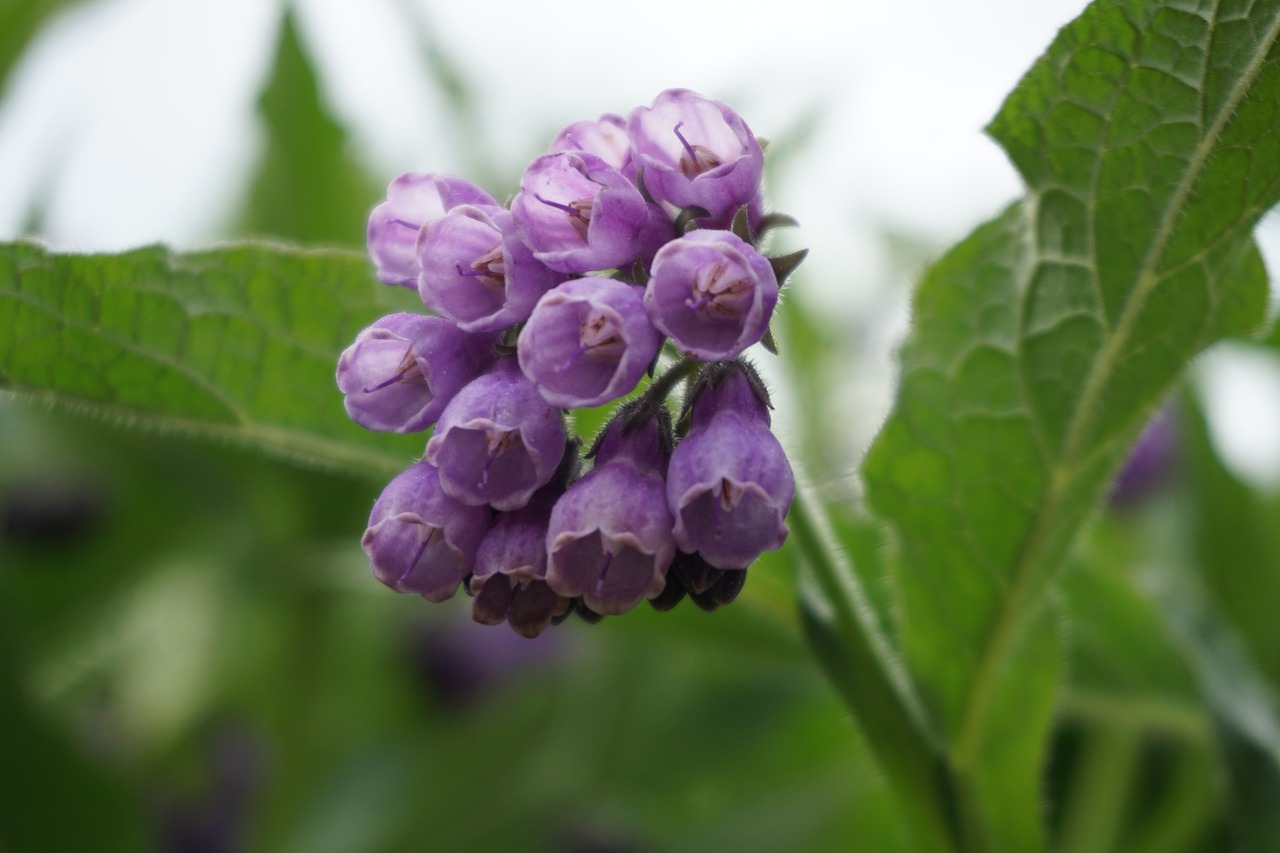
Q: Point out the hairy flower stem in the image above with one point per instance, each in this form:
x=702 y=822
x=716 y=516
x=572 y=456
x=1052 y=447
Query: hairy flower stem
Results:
x=845 y=636
x=662 y=386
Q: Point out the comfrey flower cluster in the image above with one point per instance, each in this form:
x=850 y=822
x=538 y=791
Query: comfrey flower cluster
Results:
x=630 y=249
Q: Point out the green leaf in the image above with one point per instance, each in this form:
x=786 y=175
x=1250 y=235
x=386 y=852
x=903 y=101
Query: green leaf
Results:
x=238 y=342
x=1040 y=345
x=308 y=188
x=55 y=773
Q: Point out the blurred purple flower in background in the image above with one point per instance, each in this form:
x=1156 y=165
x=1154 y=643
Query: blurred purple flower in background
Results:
x=216 y=818
x=1150 y=462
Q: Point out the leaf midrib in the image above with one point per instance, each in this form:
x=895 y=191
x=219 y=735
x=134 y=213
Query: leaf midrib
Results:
x=1010 y=621
x=281 y=442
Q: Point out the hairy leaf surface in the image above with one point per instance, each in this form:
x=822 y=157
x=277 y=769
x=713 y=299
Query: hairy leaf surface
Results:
x=238 y=342
x=1147 y=136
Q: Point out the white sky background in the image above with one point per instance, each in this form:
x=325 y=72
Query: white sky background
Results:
x=134 y=118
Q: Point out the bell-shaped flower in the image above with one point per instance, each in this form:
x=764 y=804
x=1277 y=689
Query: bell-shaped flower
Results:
x=729 y=484
x=420 y=539
x=509 y=582
x=712 y=294
x=694 y=151
x=404 y=369
x=609 y=540
x=606 y=137
x=587 y=342
x=498 y=441
x=477 y=272
x=579 y=214
x=413 y=200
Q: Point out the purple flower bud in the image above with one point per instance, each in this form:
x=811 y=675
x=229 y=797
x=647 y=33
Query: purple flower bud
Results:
x=404 y=369
x=413 y=200
x=509 y=582
x=696 y=151
x=578 y=213
x=712 y=294
x=477 y=272
x=609 y=539
x=420 y=539
x=606 y=137
x=497 y=441
x=587 y=342
x=729 y=484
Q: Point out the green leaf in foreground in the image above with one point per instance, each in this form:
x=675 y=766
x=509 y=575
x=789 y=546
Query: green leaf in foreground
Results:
x=238 y=342
x=1147 y=136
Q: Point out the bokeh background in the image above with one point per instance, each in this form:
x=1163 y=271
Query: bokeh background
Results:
x=192 y=654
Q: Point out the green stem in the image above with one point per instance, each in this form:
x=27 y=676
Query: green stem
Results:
x=1094 y=812
x=847 y=640
x=663 y=385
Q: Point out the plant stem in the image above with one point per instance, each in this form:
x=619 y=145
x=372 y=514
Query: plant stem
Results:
x=844 y=633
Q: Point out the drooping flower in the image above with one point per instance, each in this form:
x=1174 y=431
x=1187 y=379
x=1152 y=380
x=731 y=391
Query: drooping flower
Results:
x=587 y=342
x=729 y=484
x=477 y=272
x=498 y=441
x=578 y=213
x=609 y=540
x=694 y=151
x=404 y=369
x=509 y=582
x=712 y=293
x=414 y=199
x=420 y=539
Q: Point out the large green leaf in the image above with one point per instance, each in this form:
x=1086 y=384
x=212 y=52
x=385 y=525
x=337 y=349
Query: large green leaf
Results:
x=308 y=186
x=238 y=342
x=1146 y=136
